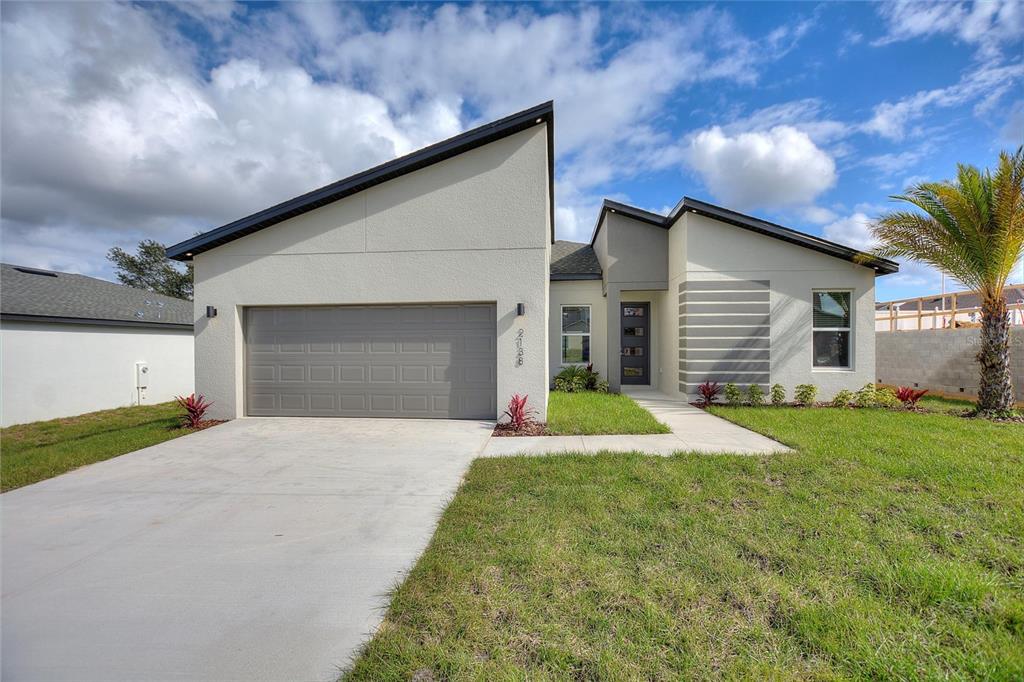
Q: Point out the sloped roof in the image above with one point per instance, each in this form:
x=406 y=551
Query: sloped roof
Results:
x=881 y=266
x=573 y=260
x=48 y=296
x=446 y=149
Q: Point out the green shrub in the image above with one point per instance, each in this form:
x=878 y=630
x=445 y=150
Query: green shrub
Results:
x=755 y=395
x=733 y=396
x=778 y=394
x=865 y=397
x=577 y=378
x=842 y=399
x=886 y=397
x=805 y=394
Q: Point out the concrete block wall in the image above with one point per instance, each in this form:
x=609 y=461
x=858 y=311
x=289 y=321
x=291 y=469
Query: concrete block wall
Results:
x=941 y=359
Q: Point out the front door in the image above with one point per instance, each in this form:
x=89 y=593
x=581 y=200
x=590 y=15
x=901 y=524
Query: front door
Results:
x=635 y=344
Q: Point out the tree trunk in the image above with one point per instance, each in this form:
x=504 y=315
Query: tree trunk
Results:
x=995 y=391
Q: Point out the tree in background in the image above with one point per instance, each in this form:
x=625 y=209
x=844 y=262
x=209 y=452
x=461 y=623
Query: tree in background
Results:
x=972 y=229
x=152 y=270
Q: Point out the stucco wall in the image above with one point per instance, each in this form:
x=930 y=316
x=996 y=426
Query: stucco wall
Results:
x=59 y=370
x=716 y=250
x=474 y=228
x=941 y=359
x=582 y=292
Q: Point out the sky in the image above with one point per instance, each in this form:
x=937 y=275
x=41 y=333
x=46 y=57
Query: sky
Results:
x=123 y=122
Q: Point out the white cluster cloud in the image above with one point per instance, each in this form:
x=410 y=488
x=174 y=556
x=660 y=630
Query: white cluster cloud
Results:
x=778 y=167
x=852 y=230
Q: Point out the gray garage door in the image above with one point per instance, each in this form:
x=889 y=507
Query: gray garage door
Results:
x=372 y=361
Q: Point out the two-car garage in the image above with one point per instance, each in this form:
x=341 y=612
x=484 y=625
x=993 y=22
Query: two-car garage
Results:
x=434 y=361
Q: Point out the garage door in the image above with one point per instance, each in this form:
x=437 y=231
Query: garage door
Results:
x=372 y=361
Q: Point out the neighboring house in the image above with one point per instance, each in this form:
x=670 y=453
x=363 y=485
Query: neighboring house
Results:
x=432 y=286
x=71 y=344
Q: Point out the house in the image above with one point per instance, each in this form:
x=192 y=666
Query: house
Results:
x=71 y=344
x=432 y=286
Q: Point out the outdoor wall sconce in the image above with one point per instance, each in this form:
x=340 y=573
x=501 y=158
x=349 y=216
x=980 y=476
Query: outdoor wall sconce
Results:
x=211 y=311
x=520 y=309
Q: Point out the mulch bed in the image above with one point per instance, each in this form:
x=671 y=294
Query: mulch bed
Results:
x=205 y=424
x=531 y=429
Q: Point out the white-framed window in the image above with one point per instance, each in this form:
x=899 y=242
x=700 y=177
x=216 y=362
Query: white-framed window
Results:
x=575 y=334
x=831 y=345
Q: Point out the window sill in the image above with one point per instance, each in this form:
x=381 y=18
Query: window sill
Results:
x=831 y=369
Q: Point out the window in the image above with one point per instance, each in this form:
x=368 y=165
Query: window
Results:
x=633 y=312
x=831 y=329
x=575 y=334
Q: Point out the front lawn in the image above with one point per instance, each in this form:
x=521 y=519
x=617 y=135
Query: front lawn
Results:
x=40 y=450
x=590 y=413
x=891 y=545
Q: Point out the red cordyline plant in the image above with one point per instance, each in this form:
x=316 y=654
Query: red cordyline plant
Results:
x=909 y=396
x=708 y=390
x=195 y=408
x=519 y=415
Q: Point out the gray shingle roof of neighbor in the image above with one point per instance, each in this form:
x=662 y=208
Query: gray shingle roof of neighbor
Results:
x=46 y=296
x=573 y=260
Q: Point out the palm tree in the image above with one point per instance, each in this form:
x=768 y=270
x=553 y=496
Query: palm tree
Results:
x=972 y=229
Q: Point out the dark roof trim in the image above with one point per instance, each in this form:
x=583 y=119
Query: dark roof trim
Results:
x=446 y=149
x=882 y=266
x=567 y=277
x=18 y=317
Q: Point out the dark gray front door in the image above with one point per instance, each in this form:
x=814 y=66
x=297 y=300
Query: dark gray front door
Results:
x=372 y=361
x=635 y=344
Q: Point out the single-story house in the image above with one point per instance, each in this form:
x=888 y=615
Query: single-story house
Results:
x=432 y=286
x=71 y=344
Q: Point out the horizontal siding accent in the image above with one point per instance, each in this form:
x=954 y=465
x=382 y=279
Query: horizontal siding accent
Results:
x=717 y=296
x=725 y=285
x=757 y=342
x=726 y=377
x=694 y=389
x=725 y=365
x=726 y=320
x=724 y=353
x=732 y=332
x=720 y=307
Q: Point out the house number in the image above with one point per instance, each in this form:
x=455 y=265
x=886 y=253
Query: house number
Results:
x=519 y=348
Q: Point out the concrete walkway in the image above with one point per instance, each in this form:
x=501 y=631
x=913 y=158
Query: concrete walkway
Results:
x=693 y=430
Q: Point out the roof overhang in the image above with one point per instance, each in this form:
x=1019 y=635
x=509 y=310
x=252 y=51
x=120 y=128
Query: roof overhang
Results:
x=92 y=321
x=881 y=266
x=573 y=277
x=471 y=139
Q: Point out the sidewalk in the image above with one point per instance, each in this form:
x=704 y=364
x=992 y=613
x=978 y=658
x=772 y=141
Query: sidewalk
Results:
x=693 y=430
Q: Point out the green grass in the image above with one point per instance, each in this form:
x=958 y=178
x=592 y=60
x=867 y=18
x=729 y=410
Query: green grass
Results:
x=590 y=413
x=40 y=450
x=889 y=546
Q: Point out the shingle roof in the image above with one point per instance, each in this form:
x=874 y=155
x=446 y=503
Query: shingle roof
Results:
x=29 y=293
x=573 y=260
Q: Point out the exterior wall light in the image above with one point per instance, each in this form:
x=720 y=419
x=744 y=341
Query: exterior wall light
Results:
x=520 y=309
x=211 y=311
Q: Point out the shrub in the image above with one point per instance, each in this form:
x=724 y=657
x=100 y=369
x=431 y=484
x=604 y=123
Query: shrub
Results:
x=194 y=408
x=805 y=394
x=755 y=395
x=519 y=415
x=733 y=396
x=843 y=398
x=708 y=391
x=865 y=397
x=778 y=394
x=576 y=378
x=909 y=396
x=886 y=397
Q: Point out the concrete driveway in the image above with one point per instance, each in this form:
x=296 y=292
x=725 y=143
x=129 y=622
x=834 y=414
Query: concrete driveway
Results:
x=259 y=549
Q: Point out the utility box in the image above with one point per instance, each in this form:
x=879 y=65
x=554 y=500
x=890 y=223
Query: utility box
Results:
x=141 y=375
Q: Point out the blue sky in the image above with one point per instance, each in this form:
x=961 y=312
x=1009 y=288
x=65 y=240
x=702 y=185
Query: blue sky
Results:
x=131 y=121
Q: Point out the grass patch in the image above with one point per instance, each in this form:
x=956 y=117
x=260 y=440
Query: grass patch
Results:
x=590 y=413
x=40 y=450
x=890 y=545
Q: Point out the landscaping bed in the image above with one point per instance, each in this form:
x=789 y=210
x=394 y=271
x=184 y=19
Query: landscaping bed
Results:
x=40 y=450
x=887 y=546
x=589 y=413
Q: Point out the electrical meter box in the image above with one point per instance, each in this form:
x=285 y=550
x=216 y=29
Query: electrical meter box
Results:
x=141 y=375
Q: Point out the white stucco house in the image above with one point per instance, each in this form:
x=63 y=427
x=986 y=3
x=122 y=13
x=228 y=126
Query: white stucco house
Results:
x=71 y=344
x=432 y=286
